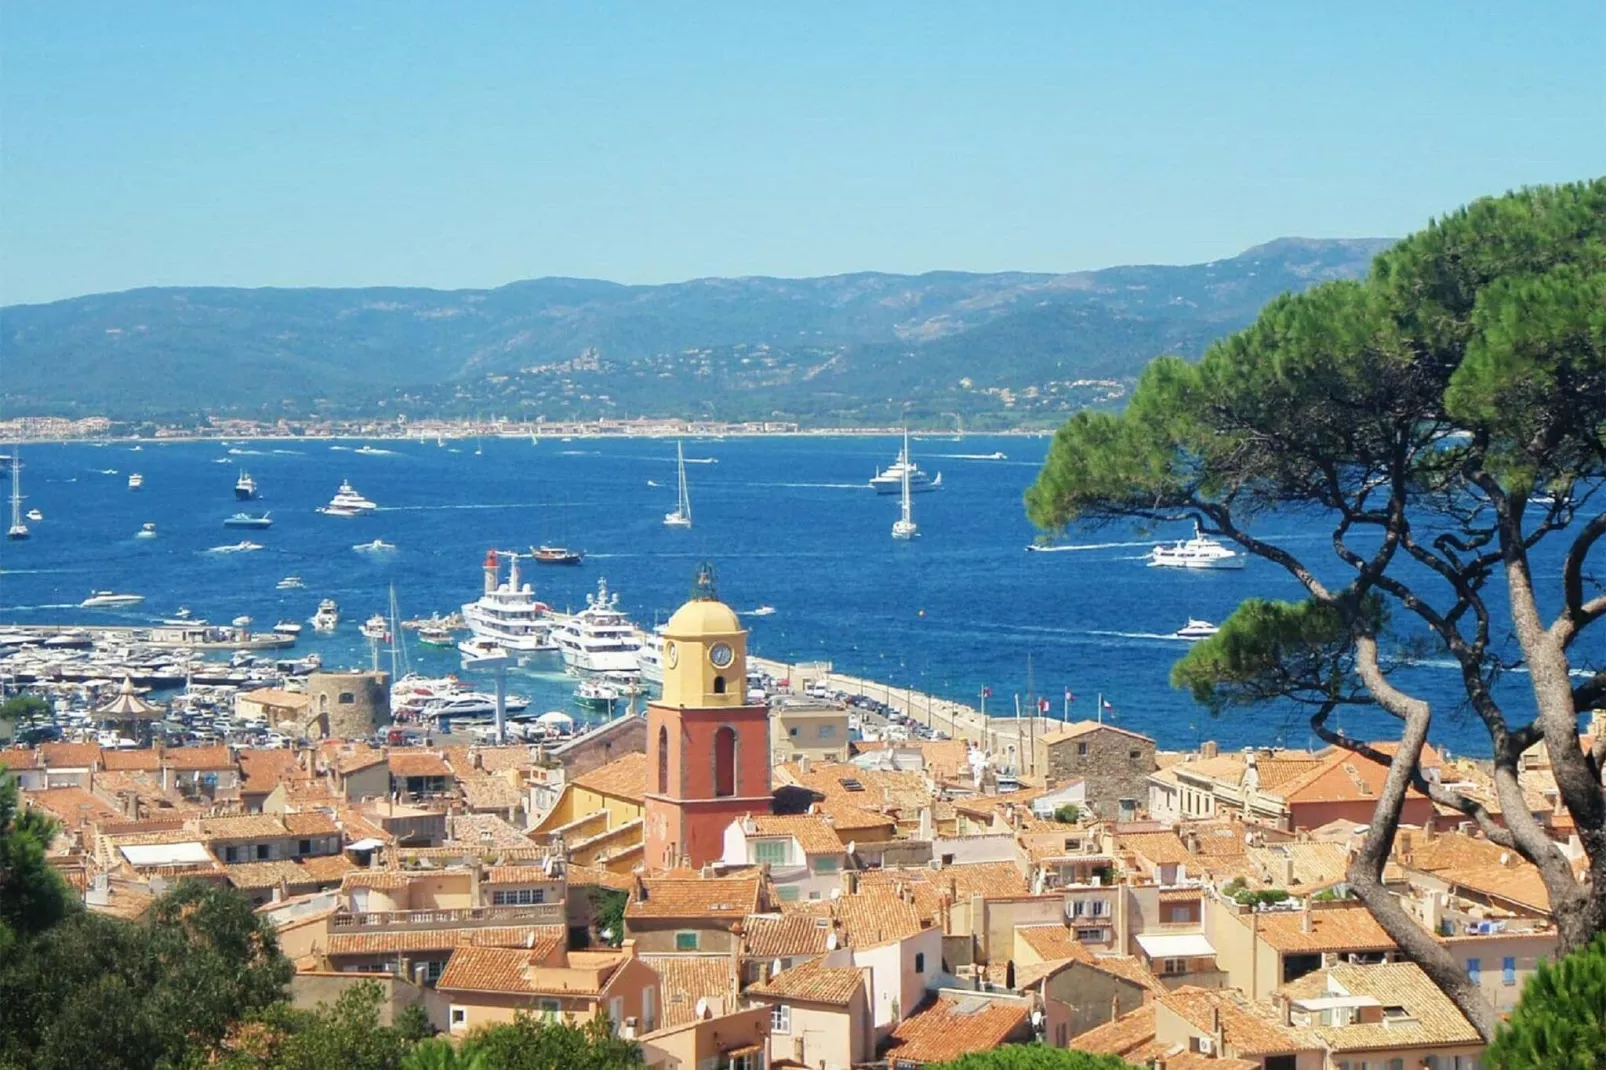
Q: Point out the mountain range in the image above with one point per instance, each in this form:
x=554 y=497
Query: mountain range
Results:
x=999 y=349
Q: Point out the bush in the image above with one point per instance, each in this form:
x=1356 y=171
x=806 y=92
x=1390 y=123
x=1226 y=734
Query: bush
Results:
x=1028 y=1057
x=1560 y=1022
x=1067 y=814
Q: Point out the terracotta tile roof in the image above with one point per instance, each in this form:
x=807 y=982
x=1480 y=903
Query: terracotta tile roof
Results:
x=876 y=916
x=1051 y=942
x=527 y=874
x=1082 y=728
x=1345 y=777
x=1119 y=1036
x=1130 y=968
x=1518 y=883
x=310 y=823
x=377 y=878
x=810 y=831
x=1225 y=768
x=75 y=808
x=262 y=768
x=533 y=943
x=242 y=827
x=125 y=902
x=1315 y=865
x=684 y=979
x=784 y=936
x=1333 y=928
x=516 y=970
x=597 y=875
x=947 y=758
x=360 y=758
x=418 y=764
x=622 y=778
x=267 y=874
x=142 y=758
x=490 y=793
x=1158 y=848
x=812 y=982
x=678 y=897
x=847 y=818
x=198 y=758
x=485 y=831
x=1027 y=976
x=944 y=1029
x=992 y=879
x=1247 y=1028
x=903 y=791
x=68 y=755
x=1275 y=772
x=491 y=759
x=1432 y=1018
x=327 y=869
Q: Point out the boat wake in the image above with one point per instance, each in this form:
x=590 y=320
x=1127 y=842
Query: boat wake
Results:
x=1137 y=635
x=1087 y=546
x=48 y=605
x=238 y=452
x=456 y=505
x=823 y=486
x=974 y=456
x=233 y=548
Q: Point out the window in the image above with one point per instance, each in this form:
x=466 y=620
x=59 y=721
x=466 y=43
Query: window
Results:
x=1081 y=750
x=347 y=698
x=663 y=760
x=1134 y=754
x=231 y=854
x=1174 y=966
x=685 y=941
x=725 y=762
x=1508 y=970
x=780 y=1018
x=792 y=732
x=828 y=731
x=773 y=852
x=1078 y=908
x=719 y=685
x=745 y=1061
x=787 y=893
x=303 y=847
x=920 y=962
x=1396 y=1064
x=432 y=970
x=459 y=1017
x=1090 y=936
x=649 y=1009
x=1474 y=971
x=549 y=1006
x=826 y=865
x=616 y=1013
x=262 y=852
x=1100 y=908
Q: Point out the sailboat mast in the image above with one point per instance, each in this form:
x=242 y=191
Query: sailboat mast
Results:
x=16 y=492
x=685 y=495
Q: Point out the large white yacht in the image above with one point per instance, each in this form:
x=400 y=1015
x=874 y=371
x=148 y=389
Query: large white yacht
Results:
x=1201 y=551
x=891 y=479
x=599 y=638
x=348 y=498
x=508 y=613
x=650 y=656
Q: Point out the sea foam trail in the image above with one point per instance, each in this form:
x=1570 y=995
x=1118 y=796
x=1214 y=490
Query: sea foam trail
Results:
x=1088 y=546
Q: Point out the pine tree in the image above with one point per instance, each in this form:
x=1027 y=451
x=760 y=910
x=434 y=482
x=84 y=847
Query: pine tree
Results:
x=1560 y=1024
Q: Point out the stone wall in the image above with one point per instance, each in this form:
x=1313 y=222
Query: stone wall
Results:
x=355 y=703
x=1115 y=765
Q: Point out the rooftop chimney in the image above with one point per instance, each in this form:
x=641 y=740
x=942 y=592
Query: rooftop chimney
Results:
x=1305 y=924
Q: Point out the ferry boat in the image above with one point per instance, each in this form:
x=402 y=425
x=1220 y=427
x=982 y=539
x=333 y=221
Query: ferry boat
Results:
x=890 y=480
x=135 y=481
x=599 y=638
x=375 y=627
x=1199 y=552
x=245 y=488
x=110 y=599
x=348 y=498
x=327 y=617
x=147 y=530
x=508 y=613
x=556 y=555
x=1195 y=630
x=246 y=520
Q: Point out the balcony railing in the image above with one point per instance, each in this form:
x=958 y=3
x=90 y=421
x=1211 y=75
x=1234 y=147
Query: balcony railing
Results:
x=455 y=918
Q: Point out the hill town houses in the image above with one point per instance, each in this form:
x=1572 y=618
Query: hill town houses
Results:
x=734 y=900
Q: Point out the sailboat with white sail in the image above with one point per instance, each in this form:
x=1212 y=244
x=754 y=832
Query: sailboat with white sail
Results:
x=681 y=517
x=18 y=529
x=904 y=527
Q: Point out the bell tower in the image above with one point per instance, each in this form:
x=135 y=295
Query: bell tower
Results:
x=708 y=749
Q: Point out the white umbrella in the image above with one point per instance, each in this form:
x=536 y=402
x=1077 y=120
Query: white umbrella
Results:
x=554 y=717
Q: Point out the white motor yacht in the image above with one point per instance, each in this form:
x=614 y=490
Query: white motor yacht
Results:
x=473 y=704
x=110 y=599
x=339 y=510
x=1200 y=552
x=890 y=479
x=599 y=638
x=508 y=614
x=146 y=531
x=1195 y=630
x=348 y=498
x=135 y=481
x=596 y=694
x=650 y=655
x=375 y=627
x=327 y=617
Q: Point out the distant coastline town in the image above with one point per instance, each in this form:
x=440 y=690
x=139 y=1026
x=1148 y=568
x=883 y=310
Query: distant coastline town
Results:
x=66 y=429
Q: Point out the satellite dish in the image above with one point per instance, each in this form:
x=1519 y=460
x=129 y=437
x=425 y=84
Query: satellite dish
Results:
x=1037 y=1019
x=852 y=846
x=702 y=1008
x=830 y=942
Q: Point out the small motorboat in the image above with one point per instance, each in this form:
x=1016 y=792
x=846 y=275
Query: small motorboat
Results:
x=135 y=480
x=762 y=611
x=244 y=546
x=378 y=546
x=246 y=520
x=595 y=694
x=110 y=599
x=288 y=627
x=290 y=583
x=375 y=627
x=557 y=555
x=35 y=514
x=430 y=635
x=146 y=531
x=1195 y=630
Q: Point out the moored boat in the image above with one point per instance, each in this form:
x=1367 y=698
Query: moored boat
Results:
x=245 y=488
x=246 y=520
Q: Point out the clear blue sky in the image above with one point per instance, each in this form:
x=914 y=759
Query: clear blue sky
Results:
x=446 y=144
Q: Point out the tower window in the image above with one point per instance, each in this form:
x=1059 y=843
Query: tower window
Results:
x=719 y=685
x=663 y=760
x=725 y=761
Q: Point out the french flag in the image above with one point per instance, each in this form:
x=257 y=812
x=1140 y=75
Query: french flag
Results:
x=1042 y=705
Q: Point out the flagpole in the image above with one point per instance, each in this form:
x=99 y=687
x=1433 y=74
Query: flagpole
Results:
x=1101 y=707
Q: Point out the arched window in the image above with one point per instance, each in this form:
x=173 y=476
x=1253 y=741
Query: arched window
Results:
x=719 y=685
x=663 y=760
x=725 y=761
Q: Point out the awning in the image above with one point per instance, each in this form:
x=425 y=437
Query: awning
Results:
x=369 y=844
x=166 y=854
x=1175 y=945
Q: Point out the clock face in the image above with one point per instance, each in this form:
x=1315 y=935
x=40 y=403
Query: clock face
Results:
x=721 y=655
x=671 y=654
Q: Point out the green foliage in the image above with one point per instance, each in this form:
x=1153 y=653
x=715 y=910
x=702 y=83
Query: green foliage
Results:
x=1560 y=1022
x=443 y=1055
x=1067 y=814
x=531 y=1042
x=1031 y=1057
x=17 y=707
x=96 y=991
x=1334 y=894
x=1253 y=897
x=33 y=897
x=608 y=913
x=344 y=1035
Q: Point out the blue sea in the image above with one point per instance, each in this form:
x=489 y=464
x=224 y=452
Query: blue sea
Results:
x=786 y=521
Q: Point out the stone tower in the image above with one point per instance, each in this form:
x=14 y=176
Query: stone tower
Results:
x=708 y=750
x=353 y=703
